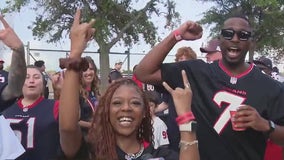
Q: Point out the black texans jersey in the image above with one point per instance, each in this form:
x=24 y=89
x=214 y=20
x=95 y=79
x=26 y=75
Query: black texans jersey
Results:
x=37 y=128
x=215 y=90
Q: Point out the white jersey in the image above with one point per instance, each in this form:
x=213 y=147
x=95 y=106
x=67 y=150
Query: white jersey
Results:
x=10 y=146
x=160 y=133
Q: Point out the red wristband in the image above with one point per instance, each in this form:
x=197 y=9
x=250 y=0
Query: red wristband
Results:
x=185 y=118
x=177 y=35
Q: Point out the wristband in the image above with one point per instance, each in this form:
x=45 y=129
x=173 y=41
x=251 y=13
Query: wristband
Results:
x=177 y=35
x=189 y=116
x=78 y=64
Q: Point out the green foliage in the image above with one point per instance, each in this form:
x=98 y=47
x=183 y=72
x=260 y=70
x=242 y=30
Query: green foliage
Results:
x=266 y=17
x=117 y=21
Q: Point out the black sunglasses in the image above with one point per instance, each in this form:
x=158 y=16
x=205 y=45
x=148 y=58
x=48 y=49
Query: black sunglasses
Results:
x=228 y=34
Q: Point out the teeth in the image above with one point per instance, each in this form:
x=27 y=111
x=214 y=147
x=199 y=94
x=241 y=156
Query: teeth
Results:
x=125 y=119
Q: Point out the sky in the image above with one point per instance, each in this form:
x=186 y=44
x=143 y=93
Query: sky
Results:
x=188 y=9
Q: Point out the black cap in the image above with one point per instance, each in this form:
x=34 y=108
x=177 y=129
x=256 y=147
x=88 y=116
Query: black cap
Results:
x=264 y=61
x=39 y=63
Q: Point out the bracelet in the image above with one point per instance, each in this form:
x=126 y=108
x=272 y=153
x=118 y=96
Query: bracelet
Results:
x=78 y=64
x=177 y=35
x=189 y=116
x=184 y=144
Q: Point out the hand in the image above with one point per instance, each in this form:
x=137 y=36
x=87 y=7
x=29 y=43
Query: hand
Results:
x=190 y=30
x=57 y=80
x=80 y=34
x=182 y=97
x=9 y=37
x=248 y=116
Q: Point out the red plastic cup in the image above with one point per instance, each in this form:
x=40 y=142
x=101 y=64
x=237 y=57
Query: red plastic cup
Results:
x=233 y=112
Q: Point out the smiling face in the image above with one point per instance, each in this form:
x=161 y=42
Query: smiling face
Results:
x=33 y=86
x=89 y=75
x=234 y=50
x=126 y=111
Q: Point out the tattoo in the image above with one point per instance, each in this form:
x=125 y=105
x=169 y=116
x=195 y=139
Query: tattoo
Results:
x=17 y=75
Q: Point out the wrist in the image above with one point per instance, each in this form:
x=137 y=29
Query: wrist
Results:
x=185 y=118
x=177 y=35
x=75 y=64
x=19 y=49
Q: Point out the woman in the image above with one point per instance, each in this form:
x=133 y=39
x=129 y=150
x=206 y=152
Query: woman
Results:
x=34 y=119
x=89 y=91
x=121 y=127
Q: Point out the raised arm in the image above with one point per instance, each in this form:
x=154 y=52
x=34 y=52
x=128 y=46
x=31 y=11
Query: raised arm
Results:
x=17 y=72
x=148 y=70
x=70 y=132
x=182 y=100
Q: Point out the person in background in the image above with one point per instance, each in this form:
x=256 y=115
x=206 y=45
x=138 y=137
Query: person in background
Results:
x=212 y=50
x=41 y=65
x=10 y=90
x=3 y=73
x=265 y=65
x=221 y=86
x=160 y=136
x=121 y=126
x=115 y=73
x=185 y=53
x=276 y=75
x=273 y=151
x=89 y=91
x=34 y=119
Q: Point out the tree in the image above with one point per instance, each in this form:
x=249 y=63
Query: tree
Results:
x=117 y=21
x=266 y=17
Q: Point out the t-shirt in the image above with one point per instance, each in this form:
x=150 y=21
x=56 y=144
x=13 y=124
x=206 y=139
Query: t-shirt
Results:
x=160 y=133
x=148 y=152
x=215 y=90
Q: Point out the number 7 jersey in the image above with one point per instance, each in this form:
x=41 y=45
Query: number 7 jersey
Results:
x=215 y=90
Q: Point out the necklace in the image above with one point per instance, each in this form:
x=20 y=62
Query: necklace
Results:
x=130 y=156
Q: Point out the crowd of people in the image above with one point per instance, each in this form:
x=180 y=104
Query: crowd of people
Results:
x=224 y=108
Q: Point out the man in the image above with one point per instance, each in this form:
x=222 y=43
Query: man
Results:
x=40 y=64
x=272 y=151
x=212 y=51
x=220 y=86
x=10 y=147
x=265 y=65
x=115 y=73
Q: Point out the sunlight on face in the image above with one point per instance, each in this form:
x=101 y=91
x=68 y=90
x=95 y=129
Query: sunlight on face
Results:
x=33 y=85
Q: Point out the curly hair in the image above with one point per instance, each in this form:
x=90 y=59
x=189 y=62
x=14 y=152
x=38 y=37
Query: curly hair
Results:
x=187 y=52
x=101 y=136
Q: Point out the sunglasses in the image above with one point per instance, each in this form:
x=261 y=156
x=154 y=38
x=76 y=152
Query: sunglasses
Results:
x=228 y=34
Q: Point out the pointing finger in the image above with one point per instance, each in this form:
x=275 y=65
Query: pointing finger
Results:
x=77 y=17
x=167 y=87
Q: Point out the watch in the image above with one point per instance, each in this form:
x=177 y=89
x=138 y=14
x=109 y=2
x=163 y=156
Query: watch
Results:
x=190 y=127
x=271 y=128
